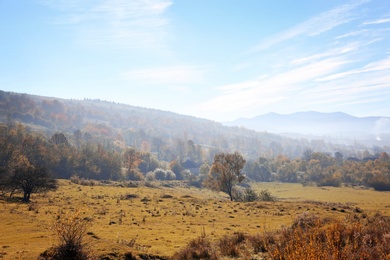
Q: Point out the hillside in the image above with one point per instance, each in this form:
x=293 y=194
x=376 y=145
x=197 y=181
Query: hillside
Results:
x=161 y=132
x=338 y=127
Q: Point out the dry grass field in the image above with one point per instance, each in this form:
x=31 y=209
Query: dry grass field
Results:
x=160 y=220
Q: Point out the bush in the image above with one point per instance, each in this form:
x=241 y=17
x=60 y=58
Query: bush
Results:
x=305 y=221
x=150 y=176
x=329 y=181
x=75 y=179
x=160 y=174
x=231 y=245
x=199 y=248
x=84 y=182
x=265 y=195
x=135 y=176
x=313 y=238
x=249 y=195
x=170 y=175
x=309 y=237
x=70 y=229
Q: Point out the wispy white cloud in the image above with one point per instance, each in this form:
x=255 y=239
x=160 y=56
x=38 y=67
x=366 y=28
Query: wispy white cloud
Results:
x=314 y=26
x=269 y=90
x=334 y=52
x=369 y=88
x=373 y=66
x=116 y=23
x=352 y=34
x=378 y=21
x=174 y=75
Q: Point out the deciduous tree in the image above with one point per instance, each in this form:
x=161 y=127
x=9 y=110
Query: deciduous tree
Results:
x=131 y=160
x=30 y=179
x=225 y=173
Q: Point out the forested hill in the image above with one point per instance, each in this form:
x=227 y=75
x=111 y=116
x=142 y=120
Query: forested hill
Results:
x=163 y=133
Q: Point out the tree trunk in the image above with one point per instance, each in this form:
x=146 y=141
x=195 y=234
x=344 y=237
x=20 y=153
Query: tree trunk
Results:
x=230 y=195
x=26 y=196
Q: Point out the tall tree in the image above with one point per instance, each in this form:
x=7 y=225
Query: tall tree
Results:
x=131 y=160
x=225 y=173
x=30 y=179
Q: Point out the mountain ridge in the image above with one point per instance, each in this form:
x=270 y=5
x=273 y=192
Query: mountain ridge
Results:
x=314 y=123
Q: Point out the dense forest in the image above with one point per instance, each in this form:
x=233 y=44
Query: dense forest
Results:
x=108 y=141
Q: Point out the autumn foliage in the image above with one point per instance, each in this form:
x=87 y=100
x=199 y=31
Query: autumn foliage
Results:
x=309 y=237
x=225 y=173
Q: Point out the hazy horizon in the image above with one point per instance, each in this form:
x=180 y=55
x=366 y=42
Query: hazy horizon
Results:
x=215 y=60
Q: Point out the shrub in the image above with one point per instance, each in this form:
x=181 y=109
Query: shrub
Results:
x=309 y=237
x=305 y=221
x=230 y=245
x=313 y=238
x=81 y=181
x=170 y=175
x=75 y=179
x=135 y=176
x=199 y=248
x=329 y=181
x=129 y=196
x=265 y=195
x=160 y=174
x=150 y=176
x=250 y=195
x=242 y=196
x=70 y=229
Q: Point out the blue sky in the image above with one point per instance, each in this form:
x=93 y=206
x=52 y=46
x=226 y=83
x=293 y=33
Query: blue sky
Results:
x=219 y=59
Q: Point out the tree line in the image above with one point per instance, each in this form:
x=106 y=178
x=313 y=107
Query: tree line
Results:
x=323 y=169
x=30 y=161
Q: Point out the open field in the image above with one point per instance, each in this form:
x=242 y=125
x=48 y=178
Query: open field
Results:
x=160 y=220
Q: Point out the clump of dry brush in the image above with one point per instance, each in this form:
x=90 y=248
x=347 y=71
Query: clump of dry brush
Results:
x=70 y=229
x=309 y=237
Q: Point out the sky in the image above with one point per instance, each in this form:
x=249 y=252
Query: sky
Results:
x=219 y=59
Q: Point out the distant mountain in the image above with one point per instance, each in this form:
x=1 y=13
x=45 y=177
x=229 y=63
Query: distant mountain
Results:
x=369 y=130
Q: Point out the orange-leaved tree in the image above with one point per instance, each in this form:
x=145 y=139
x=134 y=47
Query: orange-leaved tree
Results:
x=225 y=173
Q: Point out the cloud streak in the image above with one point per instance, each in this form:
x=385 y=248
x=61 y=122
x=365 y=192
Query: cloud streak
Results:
x=116 y=23
x=255 y=94
x=374 y=66
x=314 y=26
x=379 y=21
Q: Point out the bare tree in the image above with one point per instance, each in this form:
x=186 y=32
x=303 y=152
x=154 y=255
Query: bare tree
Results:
x=225 y=173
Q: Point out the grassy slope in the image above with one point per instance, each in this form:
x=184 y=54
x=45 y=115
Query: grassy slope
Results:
x=161 y=224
